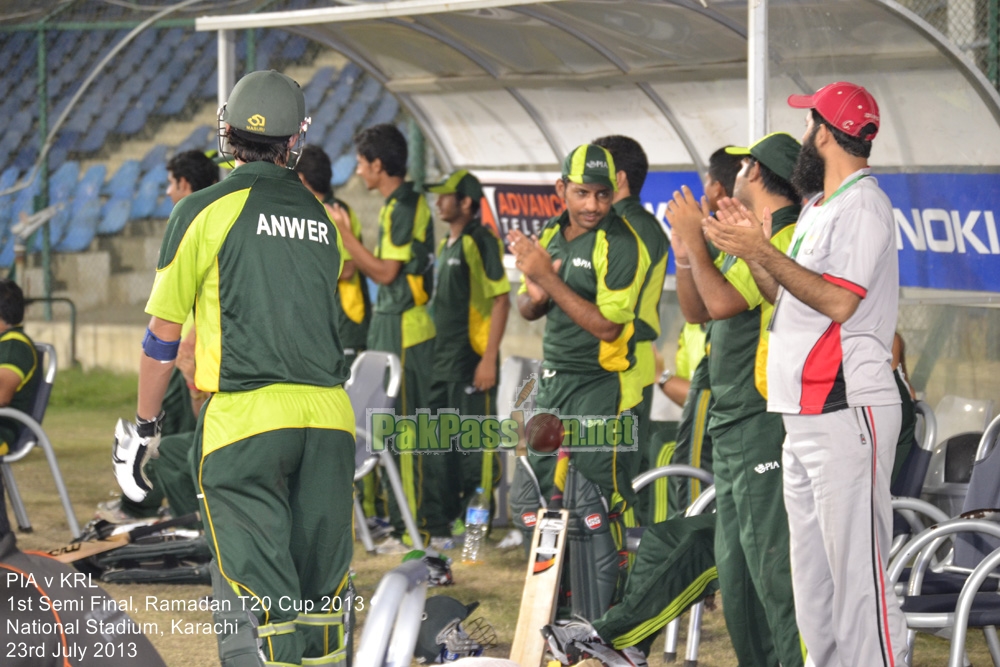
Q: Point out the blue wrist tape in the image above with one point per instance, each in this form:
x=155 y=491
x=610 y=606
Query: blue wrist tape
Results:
x=159 y=349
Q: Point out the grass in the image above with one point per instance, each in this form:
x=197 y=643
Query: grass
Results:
x=80 y=422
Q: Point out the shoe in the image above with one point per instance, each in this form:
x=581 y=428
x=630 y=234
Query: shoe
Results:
x=378 y=527
x=597 y=650
x=511 y=540
x=112 y=512
x=562 y=636
x=392 y=546
x=442 y=543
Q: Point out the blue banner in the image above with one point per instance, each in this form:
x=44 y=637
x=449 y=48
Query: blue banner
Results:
x=946 y=225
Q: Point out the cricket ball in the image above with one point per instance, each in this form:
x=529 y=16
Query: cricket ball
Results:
x=544 y=432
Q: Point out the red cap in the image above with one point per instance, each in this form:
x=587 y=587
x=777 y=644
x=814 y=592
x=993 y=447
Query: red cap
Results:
x=846 y=106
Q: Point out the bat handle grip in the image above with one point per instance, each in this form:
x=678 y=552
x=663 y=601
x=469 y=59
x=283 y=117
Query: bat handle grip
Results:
x=555 y=503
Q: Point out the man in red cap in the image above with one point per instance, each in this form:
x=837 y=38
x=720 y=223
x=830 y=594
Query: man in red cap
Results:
x=833 y=321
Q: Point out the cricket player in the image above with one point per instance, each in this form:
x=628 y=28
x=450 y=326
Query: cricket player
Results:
x=275 y=442
x=832 y=381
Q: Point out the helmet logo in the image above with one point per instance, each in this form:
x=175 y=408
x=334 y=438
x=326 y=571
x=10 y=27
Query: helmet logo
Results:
x=255 y=123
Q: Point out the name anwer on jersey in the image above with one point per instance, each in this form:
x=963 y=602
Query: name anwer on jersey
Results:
x=944 y=231
x=294 y=228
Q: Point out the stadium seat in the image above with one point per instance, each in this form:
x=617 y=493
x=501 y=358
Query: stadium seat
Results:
x=196 y=141
x=343 y=168
x=82 y=227
x=386 y=112
x=90 y=184
x=62 y=183
x=155 y=157
x=123 y=184
x=114 y=216
x=163 y=208
x=146 y=197
x=317 y=87
x=31 y=434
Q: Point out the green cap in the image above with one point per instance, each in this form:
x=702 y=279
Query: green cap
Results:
x=460 y=183
x=590 y=164
x=268 y=104
x=777 y=151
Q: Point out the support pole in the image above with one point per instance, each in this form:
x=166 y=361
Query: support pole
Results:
x=42 y=200
x=757 y=69
x=227 y=65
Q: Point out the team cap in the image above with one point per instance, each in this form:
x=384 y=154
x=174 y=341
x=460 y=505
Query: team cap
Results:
x=268 y=104
x=590 y=164
x=461 y=183
x=777 y=151
x=846 y=106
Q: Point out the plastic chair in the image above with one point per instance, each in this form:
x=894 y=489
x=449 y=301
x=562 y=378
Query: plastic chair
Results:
x=369 y=389
x=32 y=434
x=935 y=585
x=951 y=460
x=393 y=622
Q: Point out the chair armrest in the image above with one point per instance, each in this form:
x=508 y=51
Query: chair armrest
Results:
x=673 y=470
x=33 y=426
x=932 y=537
x=702 y=502
x=964 y=606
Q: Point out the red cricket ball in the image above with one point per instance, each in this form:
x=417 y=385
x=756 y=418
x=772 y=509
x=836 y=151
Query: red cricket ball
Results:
x=544 y=432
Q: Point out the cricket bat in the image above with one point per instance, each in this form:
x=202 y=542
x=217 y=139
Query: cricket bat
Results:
x=87 y=548
x=541 y=587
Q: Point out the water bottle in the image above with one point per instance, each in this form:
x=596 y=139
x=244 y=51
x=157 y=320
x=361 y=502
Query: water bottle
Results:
x=477 y=519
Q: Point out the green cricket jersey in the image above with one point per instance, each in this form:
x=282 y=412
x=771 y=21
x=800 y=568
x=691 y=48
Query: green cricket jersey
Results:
x=18 y=355
x=406 y=234
x=651 y=234
x=258 y=258
x=605 y=266
x=470 y=274
x=354 y=306
x=734 y=341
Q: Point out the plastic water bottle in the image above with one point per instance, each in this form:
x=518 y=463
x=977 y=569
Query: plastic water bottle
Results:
x=477 y=519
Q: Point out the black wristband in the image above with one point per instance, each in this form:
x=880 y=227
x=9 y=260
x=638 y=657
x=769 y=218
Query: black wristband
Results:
x=148 y=428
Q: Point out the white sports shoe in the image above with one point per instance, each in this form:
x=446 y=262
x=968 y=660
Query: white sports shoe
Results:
x=392 y=546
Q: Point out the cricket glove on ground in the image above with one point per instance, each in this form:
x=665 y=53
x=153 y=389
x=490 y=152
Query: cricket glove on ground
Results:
x=135 y=443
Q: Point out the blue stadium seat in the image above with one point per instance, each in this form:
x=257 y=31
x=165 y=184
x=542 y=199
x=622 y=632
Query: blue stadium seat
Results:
x=62 y=183
x=386 y=111
x=123 y=184
x=370 y=90
x=181 y=95
x=94 y=140
x=151 y=188
x=343 y=168
x=91 y=183
x=196 y=141
x=7 y=251
x=82 y=226
x=155 y=157
x=7 y=179
x=164 y=208
x=134 y=119
x=57 y=227
x=317 y=87
x=114 y=215
x=295 y=48
x=25 y=158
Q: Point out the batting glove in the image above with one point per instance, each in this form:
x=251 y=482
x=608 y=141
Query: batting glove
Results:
x=135 y=443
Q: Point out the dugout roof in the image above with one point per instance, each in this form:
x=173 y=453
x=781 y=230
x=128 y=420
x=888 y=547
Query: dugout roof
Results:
x=509 y=84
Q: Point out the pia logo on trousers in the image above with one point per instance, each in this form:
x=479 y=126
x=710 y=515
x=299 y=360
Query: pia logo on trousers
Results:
x=762 y=468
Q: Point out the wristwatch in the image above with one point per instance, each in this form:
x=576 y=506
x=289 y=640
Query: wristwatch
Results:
x=667 y=374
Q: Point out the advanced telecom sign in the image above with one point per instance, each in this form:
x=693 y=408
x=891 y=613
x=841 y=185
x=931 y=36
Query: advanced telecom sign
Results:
x=946 y=224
